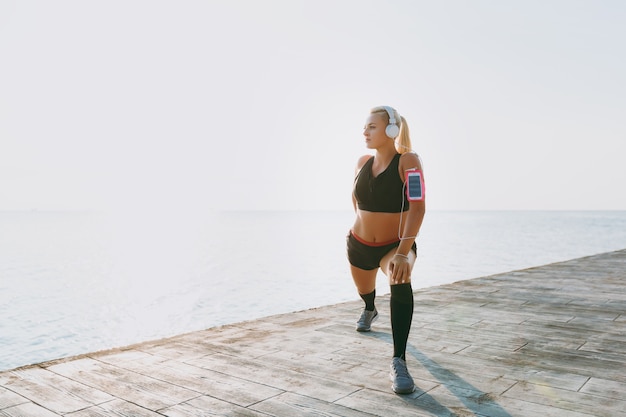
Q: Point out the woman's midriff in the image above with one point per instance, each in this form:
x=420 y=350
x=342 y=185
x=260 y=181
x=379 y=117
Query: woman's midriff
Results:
x=375 y=227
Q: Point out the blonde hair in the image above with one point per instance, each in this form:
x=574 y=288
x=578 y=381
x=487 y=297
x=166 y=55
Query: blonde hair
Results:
x=403 y=141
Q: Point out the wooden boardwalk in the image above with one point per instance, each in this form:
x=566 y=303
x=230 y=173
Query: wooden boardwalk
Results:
x=546 y=341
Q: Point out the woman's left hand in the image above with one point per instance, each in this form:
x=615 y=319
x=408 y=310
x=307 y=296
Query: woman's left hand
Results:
x=400 y=269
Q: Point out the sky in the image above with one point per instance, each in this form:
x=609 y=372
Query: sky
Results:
x=245 y=105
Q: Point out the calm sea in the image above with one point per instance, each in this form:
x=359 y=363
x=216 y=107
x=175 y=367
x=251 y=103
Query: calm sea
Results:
x=74 y=283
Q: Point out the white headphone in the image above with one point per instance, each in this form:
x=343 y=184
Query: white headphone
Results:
x=392 y=130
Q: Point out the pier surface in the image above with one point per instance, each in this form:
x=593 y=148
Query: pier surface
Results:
x=545 y=341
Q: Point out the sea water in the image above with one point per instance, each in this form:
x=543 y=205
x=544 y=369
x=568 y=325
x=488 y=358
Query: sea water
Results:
x=73 y=283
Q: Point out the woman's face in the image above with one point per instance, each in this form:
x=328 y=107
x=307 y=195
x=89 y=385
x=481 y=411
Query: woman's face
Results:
x=374 y=131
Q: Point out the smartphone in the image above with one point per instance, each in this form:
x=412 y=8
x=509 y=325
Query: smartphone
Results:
x=414 y=185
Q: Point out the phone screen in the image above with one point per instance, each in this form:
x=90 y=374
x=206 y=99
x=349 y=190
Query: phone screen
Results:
x=414 y=186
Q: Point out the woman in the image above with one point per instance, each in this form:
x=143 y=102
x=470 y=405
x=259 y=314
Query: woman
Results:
x=387 y=223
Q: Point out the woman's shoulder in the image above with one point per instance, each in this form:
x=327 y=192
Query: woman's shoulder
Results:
x=362 y=160
x=410 y=160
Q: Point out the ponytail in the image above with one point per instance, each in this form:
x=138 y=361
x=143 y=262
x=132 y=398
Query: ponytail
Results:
x=403 y=141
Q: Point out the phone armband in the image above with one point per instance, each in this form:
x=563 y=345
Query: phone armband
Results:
x=415 y=189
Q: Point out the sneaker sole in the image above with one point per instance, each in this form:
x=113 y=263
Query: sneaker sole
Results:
x=403 y=391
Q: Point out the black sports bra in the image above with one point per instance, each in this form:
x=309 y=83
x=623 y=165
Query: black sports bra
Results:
x=384 y=193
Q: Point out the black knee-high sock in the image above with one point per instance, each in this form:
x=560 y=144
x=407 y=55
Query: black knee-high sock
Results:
x=401 y=304
x=369 y=300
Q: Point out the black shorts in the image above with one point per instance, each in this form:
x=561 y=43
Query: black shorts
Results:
x=368 y=256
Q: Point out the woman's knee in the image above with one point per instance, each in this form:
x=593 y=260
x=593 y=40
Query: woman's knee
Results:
x=365 y=280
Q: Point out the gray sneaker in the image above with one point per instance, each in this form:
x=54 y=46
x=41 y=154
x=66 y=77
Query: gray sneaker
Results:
x=365 y=322
x=402 y=381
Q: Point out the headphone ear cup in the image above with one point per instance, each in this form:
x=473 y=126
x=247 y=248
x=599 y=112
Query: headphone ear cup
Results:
x=392 y=131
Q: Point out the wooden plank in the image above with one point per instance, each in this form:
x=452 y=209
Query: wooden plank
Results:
x=289 y=404
x=127 y=385
x=219 y=385
x=568 y=401
x=206 y=406
x=520 y=408
x=10 y=398
x=605 y=388
x=27 y=410
x=61 y=395
x=115 y=408
x=285 y=379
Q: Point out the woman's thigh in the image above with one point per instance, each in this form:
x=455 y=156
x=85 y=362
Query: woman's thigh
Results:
x=365 y=280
